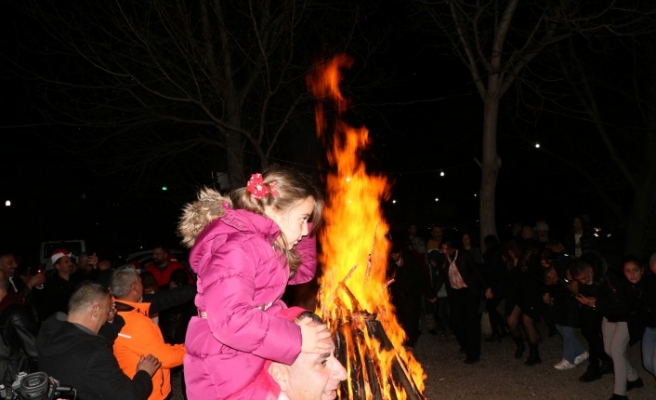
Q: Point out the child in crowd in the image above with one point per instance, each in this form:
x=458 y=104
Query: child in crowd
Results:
x=246 y=247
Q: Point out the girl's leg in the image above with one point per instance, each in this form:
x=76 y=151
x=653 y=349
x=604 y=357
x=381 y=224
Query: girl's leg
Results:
x=532 y=334
x=513 y=321
x=616 y=338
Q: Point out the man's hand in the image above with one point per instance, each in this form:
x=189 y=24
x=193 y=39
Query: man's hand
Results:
x=93 y=261
x=316 y=337
x=149 y=364
x=36 y=279
x=111 y=314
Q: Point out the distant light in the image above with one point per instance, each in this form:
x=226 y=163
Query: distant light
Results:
x=164 y=188
x=7 y=203
x=83 y=196
x=441 y=172
x=608 y=235
x=537 y=145
x=348 y=179
x=475 y=194
x=393 y=201
x=437 y=199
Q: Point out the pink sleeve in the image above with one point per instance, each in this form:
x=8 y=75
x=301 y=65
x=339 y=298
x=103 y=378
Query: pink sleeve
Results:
x=307 y=250
x=229 y=289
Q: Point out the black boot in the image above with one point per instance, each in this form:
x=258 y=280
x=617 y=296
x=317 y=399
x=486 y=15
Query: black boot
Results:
x=494 y=338
x=591 y=374
x=534 y=355
x=519 y=352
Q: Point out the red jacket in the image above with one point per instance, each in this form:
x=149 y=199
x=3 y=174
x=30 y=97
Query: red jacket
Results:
x=164 y=276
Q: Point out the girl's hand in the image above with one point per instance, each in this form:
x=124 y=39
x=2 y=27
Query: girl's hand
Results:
x=316 y=336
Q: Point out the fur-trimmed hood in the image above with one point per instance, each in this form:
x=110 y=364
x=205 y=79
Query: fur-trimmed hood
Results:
x=198 y=214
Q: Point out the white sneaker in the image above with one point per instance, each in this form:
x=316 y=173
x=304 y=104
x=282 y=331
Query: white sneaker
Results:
x=563 y=365
x=578 y=360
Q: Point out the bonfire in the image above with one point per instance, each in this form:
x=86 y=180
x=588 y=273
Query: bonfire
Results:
x=353 y=298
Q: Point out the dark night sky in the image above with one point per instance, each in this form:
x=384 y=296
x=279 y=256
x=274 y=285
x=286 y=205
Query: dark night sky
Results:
x=432 y=121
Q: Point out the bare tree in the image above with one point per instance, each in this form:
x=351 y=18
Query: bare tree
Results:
x=608 y=84
x=219 y=79
x=497 y=39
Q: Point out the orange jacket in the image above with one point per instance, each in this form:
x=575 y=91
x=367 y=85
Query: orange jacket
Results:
x=140 y=336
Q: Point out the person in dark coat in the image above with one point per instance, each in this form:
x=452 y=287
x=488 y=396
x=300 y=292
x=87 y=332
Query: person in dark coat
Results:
x=610 y=300
x=464 y=285
x=494 y=272
x=406 y=290
x=18 y=330
x=524 y=298
x=76 y=349
x=564 y=309
x=593 y=268
x=645 y=309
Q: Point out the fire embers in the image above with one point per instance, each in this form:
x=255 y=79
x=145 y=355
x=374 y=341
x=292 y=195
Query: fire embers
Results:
x=376 y=370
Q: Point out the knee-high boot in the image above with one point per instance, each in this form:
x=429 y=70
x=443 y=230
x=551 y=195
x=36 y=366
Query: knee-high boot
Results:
x=534 y=355
x=519 y=352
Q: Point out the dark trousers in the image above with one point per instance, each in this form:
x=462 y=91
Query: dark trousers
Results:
x=466 y=320
x=496 y=321
x=591 y=331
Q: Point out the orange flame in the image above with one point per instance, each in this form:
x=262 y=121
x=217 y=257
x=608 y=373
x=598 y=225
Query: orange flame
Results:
x=354 y=245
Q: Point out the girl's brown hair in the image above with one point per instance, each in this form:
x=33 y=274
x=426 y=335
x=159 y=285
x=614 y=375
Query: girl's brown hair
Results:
x=290 y=186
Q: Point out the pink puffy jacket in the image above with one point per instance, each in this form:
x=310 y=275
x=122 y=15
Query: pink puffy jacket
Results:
x=240 y=284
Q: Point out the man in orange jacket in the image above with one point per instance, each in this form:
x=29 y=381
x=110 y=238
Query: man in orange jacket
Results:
x=140 y=335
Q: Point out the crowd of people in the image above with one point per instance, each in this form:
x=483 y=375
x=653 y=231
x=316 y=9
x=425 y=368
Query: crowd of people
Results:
x=527 y=281
x=118 y=333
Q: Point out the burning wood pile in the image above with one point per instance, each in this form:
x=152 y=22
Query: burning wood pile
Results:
x=354 y=299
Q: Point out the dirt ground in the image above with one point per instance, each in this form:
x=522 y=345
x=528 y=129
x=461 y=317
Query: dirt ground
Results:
x=499 y=376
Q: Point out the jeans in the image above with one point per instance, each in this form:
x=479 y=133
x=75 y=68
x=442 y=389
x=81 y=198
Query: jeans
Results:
x=649 y=350
x=572 y=348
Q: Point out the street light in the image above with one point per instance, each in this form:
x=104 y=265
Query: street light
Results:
x=7 y=203
x=441 y=172
x=537 y=145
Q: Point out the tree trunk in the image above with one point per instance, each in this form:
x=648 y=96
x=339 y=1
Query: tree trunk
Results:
x=489 y=166
x=636 y=225
x=235 y=159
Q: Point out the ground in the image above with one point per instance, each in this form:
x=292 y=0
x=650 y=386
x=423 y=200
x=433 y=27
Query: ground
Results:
x=499 y=376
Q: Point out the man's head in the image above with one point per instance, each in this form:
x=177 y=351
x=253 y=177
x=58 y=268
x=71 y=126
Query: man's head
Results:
x=160 y=256
x=396 y=252
x=8 y=263
x=412 y=230
x=582 y=272
x=447 y=248
x=61 y=259
x=436 y=232
x=104 y=264
x=652 y=263
x=4 y=284
x=126 y=284
x=312 y=376
x=90 y=306
x=543 y=231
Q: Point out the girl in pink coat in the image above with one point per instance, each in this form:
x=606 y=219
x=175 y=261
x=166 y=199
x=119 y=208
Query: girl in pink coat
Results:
x=246 y=248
